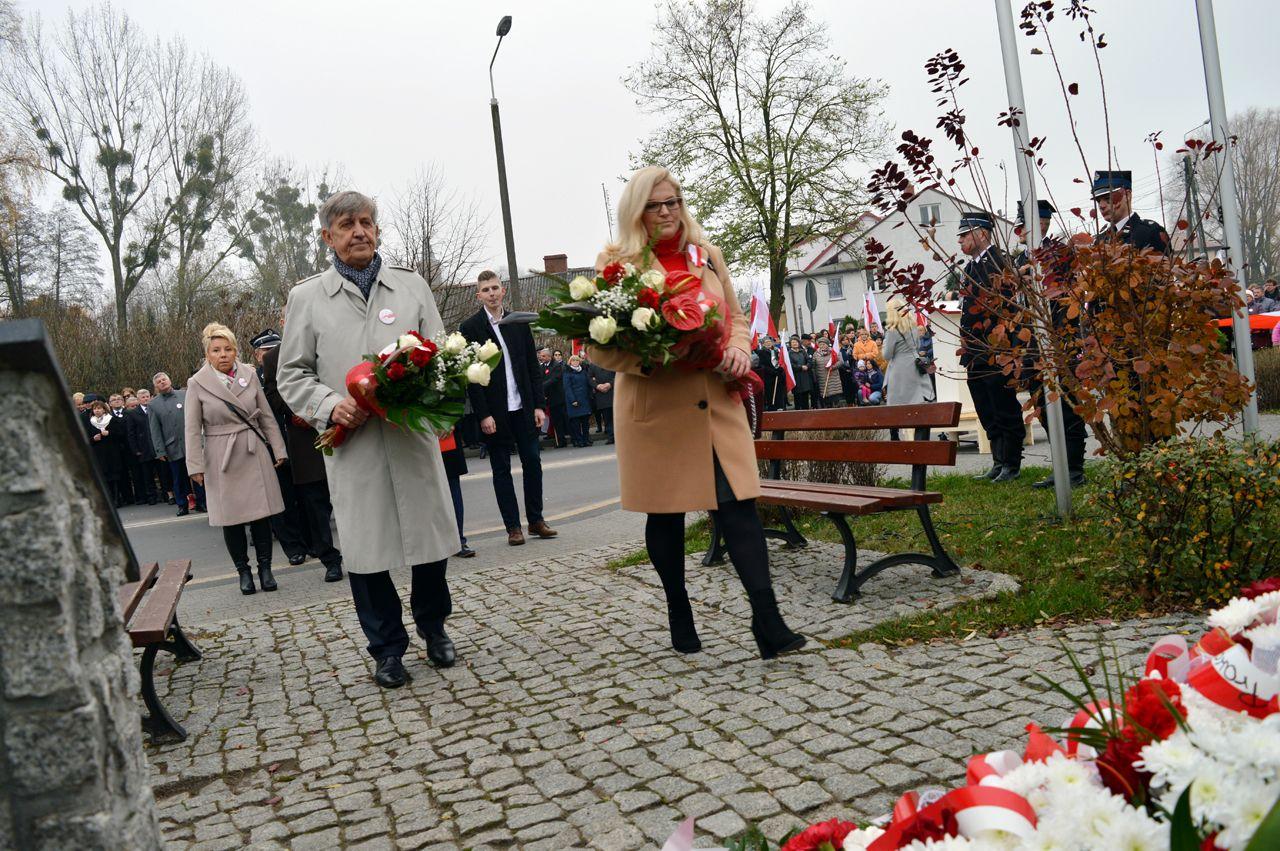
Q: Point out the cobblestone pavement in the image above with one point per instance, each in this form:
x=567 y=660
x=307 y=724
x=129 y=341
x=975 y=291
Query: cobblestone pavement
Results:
x=570 y=723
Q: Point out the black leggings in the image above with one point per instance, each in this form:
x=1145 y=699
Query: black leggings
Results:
x=743 y=535
x=238 y=547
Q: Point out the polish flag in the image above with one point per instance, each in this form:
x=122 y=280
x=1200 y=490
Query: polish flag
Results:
x=761 y=321
x=784 y=360
x=575 y=347
x=871 y=313
x=833 y=359
x=831 y=327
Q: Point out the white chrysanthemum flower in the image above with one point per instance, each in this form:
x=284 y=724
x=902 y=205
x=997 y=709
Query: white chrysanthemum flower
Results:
x=1134 y=831
x=858 y=840
x=1244 y=812
x=1267 y=635
x=1236 y=616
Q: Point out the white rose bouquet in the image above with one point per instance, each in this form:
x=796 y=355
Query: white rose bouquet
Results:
x=416 y=383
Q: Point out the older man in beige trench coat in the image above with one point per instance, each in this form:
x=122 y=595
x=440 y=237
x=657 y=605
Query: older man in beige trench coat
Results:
x=390 y=495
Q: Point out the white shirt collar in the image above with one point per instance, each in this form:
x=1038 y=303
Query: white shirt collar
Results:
x=1119 y=226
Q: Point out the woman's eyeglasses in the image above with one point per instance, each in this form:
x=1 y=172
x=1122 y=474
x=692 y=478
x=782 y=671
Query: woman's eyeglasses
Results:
x=672 y=204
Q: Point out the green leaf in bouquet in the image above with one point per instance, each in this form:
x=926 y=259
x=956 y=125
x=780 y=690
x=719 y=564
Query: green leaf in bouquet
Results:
x=1183 y=835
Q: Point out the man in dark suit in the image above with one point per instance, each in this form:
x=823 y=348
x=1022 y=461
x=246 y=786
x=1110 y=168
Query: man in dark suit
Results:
x=553 y=390
x=119 y=432
x=984 y=290
x=510 y=409
x=305 y=468
x=142 y=455
x=1113 y=193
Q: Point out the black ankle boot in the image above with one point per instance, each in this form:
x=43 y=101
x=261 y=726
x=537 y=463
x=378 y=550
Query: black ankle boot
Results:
x=771 y=632
x=246 y=579
x=265 y=577
x=684 y=635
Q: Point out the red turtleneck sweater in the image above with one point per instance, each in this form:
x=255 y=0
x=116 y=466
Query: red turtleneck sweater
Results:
x=670 y=253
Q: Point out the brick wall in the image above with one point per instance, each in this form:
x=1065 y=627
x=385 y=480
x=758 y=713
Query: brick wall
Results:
x=72 y=770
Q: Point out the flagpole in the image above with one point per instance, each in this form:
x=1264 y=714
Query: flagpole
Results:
x=1031 y=213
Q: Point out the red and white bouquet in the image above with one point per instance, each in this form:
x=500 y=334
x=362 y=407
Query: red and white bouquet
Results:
x=662 y=318
x=416 y=383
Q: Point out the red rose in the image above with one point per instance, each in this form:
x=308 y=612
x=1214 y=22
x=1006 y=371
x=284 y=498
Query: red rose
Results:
x=1150 y=707
x=422 y=355
x=682 y=312
x=1260 y=587
x=613 y=273
x=821 y=837
x=396 y=371
x=648 y=298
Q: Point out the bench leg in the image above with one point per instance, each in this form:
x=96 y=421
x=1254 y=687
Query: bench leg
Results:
x=846 y=588
x=790 y=534
x=157 y=723
x=942 y=564
x=715 y=552
x=183 y=650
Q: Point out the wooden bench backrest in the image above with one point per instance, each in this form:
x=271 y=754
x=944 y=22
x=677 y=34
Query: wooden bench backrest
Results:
x=936 y=453
x=928 y=415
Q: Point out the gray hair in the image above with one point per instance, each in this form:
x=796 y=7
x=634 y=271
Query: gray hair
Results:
x=348 y=203
x=544 y=349
x=157 y=375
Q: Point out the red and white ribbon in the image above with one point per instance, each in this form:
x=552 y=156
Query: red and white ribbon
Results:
x=1232 y=681
x=697 y=256
x=1094 y=716
x=974 y=810
x=985 y=767
x=1170 y=658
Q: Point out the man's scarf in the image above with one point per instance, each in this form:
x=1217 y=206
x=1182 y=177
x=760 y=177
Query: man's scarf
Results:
x=364 y=278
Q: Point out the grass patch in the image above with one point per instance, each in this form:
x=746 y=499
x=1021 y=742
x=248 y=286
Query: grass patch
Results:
x=697 y=538
x=1068 y=571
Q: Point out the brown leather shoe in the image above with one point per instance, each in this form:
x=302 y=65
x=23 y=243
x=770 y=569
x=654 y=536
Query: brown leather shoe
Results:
x=542 y=530
x=515 y=537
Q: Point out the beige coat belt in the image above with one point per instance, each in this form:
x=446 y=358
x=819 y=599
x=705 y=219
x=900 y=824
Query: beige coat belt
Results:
x=232 y=429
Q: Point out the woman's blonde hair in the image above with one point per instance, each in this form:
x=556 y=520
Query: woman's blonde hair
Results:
x=899 y=316
x=632 y=236
x=213 y=331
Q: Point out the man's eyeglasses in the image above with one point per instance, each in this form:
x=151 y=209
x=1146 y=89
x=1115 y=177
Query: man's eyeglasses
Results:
x=672 y=204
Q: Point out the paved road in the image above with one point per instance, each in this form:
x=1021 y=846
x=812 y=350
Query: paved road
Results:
x=581 y=494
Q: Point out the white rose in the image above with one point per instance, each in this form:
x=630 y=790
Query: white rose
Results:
x=652 y=279
x=478 y=373
x=454 y=343
x=581 y=288
x=488 y=350
x=603 y=328
x=642 y=318
x=406 y=341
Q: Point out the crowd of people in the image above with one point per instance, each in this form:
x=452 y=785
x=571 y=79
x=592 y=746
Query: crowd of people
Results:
x=856 y=370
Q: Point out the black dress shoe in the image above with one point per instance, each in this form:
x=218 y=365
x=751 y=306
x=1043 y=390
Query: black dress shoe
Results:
x=333 y=573
x=440 y=648
x=1008 y=474
x=297 y=559
x=182 y=511
x=1046 y=482
x=390 y=673
x=465 y=552
x=1077 y=478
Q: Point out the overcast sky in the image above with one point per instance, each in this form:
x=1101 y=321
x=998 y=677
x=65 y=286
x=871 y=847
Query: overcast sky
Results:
x=384 y=87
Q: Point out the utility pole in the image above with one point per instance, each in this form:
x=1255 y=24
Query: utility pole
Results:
x=1230 y=201
x=1031 y=223
x=513 y=269
x=1193 y=206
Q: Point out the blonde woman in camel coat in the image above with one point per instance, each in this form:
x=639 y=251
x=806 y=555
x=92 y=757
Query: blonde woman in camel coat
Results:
x=226 y=453
x=683 y=439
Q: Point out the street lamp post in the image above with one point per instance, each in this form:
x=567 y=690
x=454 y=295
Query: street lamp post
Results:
x=513 y=270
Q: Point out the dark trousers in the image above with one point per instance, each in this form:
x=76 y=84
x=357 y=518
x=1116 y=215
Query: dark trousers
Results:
x=455 y=491
x=238 y=545
x=290 y=526
x=560 y=422
x=182 y=484
x=1073 y=426
x=1000 y=413
x=743 y=535
x=803 y=399
x=143 y=474
x=381 y=614
x=580 y=430
x=317 y=515
x=469 y=430
x=525 y=436
x=162 y=472
x=607 y=415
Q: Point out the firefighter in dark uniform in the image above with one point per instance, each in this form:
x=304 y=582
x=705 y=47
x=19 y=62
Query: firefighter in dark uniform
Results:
x=1054 y=257
x=984 y=296
x=1113 y=193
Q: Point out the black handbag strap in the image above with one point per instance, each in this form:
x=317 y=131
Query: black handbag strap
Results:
x=242 y=418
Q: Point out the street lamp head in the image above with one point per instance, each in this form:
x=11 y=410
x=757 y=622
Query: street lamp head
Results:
x=504 y=26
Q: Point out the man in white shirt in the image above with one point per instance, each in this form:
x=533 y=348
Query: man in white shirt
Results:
x=510 y=409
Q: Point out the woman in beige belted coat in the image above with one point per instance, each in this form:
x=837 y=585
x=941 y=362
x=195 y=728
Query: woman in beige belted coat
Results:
x=228 y=426
x=683 y=439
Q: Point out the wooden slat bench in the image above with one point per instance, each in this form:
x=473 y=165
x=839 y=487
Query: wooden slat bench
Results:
x=149 y=608
x=837 y=502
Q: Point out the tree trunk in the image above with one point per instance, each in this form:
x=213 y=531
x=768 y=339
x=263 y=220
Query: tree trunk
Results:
x=117 y=279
